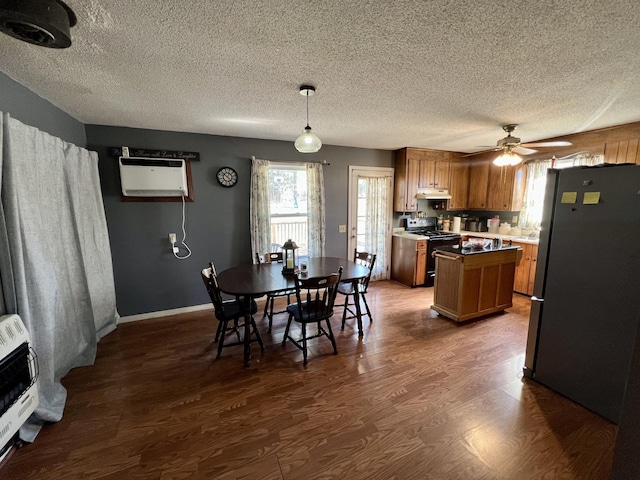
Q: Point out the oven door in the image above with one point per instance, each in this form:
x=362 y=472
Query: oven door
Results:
x=433 y=244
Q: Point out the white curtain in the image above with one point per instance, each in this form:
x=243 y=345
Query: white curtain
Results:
x=315 y=206
x=260 y=216
x=531 y=214
x=377 y=221
x=55 y=258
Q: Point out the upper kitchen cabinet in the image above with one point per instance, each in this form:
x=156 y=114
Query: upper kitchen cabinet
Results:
x=406 y=181
x=459 y=183
x=478 y=185
x=435 y=169
x=418 y=168
x=496 y=188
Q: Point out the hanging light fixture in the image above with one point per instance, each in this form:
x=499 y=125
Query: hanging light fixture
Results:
x=507 y=158
x=307 y=142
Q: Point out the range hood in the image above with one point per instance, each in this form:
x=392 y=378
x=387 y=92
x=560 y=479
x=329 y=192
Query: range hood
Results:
x=432 y=194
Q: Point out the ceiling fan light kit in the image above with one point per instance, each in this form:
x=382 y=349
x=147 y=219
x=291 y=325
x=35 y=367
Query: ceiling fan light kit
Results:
x=508 y=158
x=45 y=23
x=307 y=142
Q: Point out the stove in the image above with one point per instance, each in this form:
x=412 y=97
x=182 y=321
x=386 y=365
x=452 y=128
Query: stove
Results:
x=427 y=226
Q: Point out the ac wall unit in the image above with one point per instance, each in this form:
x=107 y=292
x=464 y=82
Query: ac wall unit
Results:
x=153 y=177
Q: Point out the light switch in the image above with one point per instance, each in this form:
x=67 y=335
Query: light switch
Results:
x=514 y=219
x=342 y=229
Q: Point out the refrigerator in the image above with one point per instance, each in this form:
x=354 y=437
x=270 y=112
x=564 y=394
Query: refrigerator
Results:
x=585 y=308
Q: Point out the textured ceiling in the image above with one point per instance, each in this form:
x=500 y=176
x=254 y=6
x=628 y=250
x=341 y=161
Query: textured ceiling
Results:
x=435 y=74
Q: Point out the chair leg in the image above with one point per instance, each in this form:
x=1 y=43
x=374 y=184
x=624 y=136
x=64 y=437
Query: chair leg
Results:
x=366 y=305
x=255 y=330
x=237 y=329
x=286 y=331
x=266 y=306
x=333 y=340
x=270 y=315
x=218 y=331
x=221 y=342
x=304 y=342
x=344 y=312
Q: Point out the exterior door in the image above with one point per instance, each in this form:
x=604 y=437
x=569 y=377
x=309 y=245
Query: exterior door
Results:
x=370 y=215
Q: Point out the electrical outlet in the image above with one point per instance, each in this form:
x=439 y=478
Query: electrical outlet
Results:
x=514 y=219
x=172 y=238
x=342 y=229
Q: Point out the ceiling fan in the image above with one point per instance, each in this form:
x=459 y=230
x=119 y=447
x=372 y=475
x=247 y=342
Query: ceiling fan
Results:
x=512 y=145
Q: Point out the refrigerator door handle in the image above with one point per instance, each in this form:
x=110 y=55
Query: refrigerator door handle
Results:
x=536 y=299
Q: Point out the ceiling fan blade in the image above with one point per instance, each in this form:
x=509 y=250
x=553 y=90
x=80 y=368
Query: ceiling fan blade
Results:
x=559 y=143
x=481 y=151
x=524 y=151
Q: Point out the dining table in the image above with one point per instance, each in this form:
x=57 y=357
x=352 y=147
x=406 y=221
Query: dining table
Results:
x=251 y=281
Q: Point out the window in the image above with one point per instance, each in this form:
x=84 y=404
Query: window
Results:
x=531 y=214
x=289 y=216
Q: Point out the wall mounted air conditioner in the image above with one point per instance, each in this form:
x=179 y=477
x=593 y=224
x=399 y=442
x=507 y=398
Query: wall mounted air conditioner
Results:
x=153 y=177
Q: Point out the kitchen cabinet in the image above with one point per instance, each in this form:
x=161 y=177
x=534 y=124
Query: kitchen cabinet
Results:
x=418 y=168
x=496 y=188
x=435 y=169
x=473 y=285
x=459 y=185
x=407 y=170
x=526 y=270
x=478 y=185
x=408 y=261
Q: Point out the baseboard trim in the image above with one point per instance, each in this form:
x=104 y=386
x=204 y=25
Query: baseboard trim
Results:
x=165 y=313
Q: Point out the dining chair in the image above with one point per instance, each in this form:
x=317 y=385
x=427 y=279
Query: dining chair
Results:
x=348 y=289
x=228 y=311
x=272 y=257
x=315 y=299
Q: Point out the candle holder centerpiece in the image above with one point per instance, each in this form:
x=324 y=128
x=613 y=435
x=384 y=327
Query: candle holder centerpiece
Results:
x=289 y=266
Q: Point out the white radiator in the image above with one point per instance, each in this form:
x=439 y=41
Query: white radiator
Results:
x=18 y=379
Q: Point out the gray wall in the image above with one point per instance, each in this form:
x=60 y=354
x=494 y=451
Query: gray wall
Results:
x=24 y=105
x=148 y=278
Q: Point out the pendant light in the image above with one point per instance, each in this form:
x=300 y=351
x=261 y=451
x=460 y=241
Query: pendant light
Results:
x=307 y=142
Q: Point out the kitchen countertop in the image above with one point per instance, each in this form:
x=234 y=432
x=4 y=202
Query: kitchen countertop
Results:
x=469 y=251
x=515 y=238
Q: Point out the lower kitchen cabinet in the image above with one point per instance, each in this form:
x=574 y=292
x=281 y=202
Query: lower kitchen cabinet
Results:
x=473 y=285
x=409 y=261
x=526 y=270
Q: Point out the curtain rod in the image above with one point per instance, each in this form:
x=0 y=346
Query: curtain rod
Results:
x=321 y=162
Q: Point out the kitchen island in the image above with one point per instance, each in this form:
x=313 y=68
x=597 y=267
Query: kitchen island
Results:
x=473 y=283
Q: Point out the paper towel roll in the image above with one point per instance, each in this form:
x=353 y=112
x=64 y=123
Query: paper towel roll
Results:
x=456 y=225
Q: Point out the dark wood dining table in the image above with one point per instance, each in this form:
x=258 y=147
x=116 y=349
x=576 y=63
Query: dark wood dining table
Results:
x=250 y=281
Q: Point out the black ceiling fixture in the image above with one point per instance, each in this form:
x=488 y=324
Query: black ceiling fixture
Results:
x=46 y=23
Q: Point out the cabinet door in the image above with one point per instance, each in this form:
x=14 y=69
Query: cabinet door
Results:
x=500 y=188
x=421 y=267
x=442 y=174
x=405 y=182
x=427 y=174
x=478 y=184
x=521 y=283
x=459 y=186
x=532 y=268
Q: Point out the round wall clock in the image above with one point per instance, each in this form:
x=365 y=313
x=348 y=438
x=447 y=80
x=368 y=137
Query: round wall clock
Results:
x=227 y=177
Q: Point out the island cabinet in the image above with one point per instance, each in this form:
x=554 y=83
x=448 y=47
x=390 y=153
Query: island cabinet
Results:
x=471 y=285
x=418 y=168
x=526 y=270
x=409 y=261
x=496 y=188
x=459 y=185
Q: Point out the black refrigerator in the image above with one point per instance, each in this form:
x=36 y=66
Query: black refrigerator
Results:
x=585 y=308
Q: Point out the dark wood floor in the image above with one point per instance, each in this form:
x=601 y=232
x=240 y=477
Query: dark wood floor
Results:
x=419 y=397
